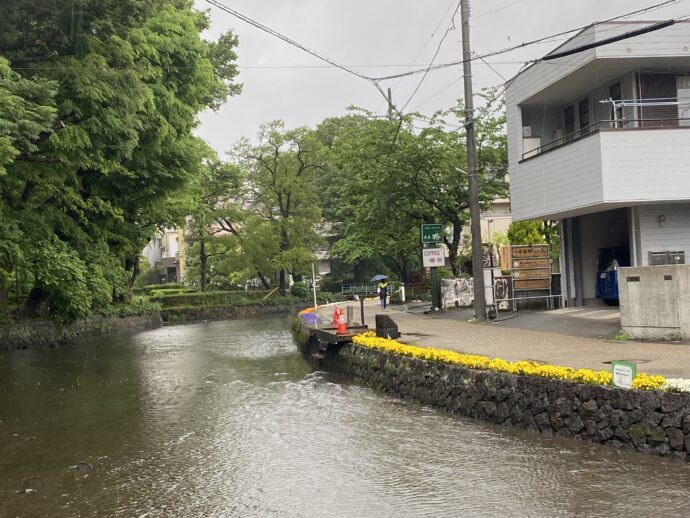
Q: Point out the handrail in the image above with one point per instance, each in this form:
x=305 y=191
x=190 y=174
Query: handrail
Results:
x=606 y=123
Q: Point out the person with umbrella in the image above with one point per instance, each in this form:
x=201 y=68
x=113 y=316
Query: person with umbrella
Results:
x=382 y=288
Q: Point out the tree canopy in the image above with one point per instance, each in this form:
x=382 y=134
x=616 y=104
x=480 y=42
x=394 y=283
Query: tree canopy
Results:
x=100 y=99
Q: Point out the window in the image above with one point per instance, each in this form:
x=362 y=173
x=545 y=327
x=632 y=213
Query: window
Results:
x=569 y=119
x=583 y=109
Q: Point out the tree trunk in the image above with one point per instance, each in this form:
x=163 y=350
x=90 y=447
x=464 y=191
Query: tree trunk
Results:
x=283 y=282
x=135 y=268
x=3 y=302
x=263 y=279
x=203 y=260
x=36 y=302
x=284 y=247
x=453 y=245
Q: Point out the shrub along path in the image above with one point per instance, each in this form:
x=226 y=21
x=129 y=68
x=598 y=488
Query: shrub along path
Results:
x=671 y=360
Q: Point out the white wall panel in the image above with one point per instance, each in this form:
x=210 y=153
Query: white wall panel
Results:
x=672 y=235
x=646 y=165
x=564 y=179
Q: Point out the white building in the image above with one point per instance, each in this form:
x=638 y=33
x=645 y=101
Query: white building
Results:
x=600 y=140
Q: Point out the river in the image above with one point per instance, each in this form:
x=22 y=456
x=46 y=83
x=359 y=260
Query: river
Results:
x=227 y=419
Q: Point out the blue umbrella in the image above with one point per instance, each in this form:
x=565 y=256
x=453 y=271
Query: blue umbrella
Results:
x=379 y=277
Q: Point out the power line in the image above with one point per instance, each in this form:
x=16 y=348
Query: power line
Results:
x=433 y=33
x=438 y=49
x=294 y=43
x=495 y=10
x=524 y=44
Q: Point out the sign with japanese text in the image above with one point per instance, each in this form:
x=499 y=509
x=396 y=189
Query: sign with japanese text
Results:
x=521 y=251
x=623 y=373
x=531 y=267
x=432 y=233
x=433 y=257
x=531 y=263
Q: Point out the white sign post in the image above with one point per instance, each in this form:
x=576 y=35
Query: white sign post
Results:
x=623 y=373
x=433 y=257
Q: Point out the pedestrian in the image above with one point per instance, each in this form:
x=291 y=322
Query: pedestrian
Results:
x=383 y=292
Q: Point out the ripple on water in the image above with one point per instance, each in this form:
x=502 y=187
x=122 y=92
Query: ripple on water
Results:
x=226 y=419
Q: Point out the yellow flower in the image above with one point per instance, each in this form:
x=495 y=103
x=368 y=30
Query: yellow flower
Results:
x=523 y=368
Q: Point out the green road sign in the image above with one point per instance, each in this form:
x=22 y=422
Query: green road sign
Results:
x=432 y=233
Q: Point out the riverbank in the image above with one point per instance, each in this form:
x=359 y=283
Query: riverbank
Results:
x=187 y=315
x=47 y=333
x=42 y=333
x=648 y=421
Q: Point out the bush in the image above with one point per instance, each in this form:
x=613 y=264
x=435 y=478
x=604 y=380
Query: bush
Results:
x=299 y=290
x=130 y=310
x=213 y=298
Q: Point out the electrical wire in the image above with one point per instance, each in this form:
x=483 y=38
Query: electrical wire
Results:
x=524 y=44
x=438 y=49
x=433 y=33
x=481 y=15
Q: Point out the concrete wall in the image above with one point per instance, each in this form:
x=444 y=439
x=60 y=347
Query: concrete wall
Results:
x=655 y=301
x=650 y=422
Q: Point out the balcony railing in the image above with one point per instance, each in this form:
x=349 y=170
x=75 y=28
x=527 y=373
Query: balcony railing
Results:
x=682 y=104
x=667 y=123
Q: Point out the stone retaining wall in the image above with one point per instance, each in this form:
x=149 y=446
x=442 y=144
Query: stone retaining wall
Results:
x=207 y=314
x=647 y=421
x=48 y=333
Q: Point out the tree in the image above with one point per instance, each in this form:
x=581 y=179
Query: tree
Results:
x=215 y=215
x=125 y=80
x=393 y=177
x=526 y=233
x=282 y=198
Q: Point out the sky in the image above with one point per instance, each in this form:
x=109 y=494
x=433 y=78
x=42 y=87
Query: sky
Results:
x=379 y=38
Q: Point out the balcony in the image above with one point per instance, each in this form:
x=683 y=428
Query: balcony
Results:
x=609 y=164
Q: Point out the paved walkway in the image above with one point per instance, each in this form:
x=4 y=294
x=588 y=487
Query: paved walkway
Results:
x=513 y=343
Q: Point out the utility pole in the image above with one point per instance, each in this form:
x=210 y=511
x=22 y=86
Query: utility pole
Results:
x=475 y=224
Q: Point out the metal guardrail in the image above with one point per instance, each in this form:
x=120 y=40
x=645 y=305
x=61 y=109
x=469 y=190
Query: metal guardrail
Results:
x=359 y=289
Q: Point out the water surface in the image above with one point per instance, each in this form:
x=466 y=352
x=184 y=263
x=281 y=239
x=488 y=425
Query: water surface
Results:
x=227 y=419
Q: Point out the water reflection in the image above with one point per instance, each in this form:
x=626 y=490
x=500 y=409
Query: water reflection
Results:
x=226 y=419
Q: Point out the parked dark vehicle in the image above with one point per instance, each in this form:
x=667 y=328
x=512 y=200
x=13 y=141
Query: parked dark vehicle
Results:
x=609 y=260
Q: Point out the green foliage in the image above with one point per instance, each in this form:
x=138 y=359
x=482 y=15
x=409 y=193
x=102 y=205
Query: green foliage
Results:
x=385 y=178
x=281 y=235
x=500 y=238
x=210 y=298
x=526 y=232
x=97 y=117
x=130 y=310
x=299 y=290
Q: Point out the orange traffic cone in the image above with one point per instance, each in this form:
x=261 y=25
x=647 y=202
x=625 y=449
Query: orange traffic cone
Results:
x=342 y=327
x=336 y=318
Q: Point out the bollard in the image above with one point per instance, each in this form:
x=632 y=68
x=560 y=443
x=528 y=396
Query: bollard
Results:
x=350 y=314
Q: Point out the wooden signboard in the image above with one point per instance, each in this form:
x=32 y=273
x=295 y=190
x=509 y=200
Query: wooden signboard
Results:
x=532 y=274
x=531 y=267
x=531 y=284
x=531 y=263
x=531 y=251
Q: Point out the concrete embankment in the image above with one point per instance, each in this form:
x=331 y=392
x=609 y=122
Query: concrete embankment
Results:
x=207 y=314
x=33 y=333
x=647 y=421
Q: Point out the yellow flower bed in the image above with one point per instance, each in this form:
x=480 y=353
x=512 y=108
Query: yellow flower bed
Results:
x=527 y=368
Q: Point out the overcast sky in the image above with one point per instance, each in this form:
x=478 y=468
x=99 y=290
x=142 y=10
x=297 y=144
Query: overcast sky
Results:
x=379 y=38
